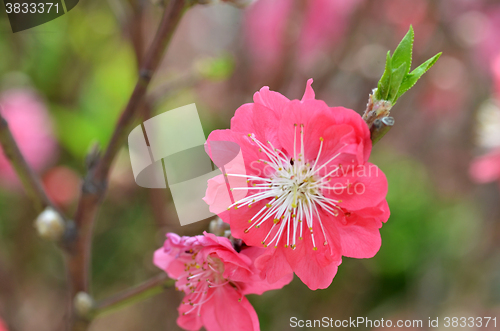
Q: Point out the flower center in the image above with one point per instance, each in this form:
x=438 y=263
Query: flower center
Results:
x=293 y=191
x=198 y=280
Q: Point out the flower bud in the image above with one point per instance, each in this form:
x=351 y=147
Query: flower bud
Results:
x=50 y=225
x=84 y=303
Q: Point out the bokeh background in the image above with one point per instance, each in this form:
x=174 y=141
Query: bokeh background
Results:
x=63 y=85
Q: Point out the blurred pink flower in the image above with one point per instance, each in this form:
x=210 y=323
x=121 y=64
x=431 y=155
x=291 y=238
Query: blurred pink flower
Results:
x=62 y=185
x=3 y=327
x=271 y=27
x=215 y=279
x=31 y=127
x=313 y=196
x=486 y=168
x=489 y=48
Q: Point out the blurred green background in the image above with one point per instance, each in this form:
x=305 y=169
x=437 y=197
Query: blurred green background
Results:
x=440 y=248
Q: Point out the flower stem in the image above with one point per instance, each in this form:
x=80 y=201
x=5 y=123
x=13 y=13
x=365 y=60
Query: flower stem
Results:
x=152 y=287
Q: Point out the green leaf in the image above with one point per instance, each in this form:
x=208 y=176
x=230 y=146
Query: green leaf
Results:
x=383 y=84
x=403 y=53
x=397 y=77
x=216 y=69
x=415 y=75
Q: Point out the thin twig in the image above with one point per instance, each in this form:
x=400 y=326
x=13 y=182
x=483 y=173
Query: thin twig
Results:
x=140 y=292
x=28 y=177
x=94 y=185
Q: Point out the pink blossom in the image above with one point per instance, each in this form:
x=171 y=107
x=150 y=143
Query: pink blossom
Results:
x=486 y=168
x=30 y=125
x=215 y=279
x=306 y=192
x=269 y=26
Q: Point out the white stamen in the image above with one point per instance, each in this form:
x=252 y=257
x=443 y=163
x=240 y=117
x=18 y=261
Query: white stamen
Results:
x=293 y=193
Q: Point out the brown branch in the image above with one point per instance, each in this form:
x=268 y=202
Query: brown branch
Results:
x=171 y=18
x=28 y=177
x=95 y=183
x=140 y=292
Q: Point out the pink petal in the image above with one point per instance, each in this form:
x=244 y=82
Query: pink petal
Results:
x=273 y=265
x=360 y=237
x=310 y=115
x=274 y=101
x=242 y=120
x=256 y=284
x=225 y=312
x=358 y=187
x=309 y=93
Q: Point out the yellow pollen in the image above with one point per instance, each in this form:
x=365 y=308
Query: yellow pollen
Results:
x=321 y=138
x=268 y=205
x=246 y=231
x=276 y=221
x=300 y=238
x=257 y=226
x=315 y=248
x=286 y=246
x=325 y=243
x=249 y=221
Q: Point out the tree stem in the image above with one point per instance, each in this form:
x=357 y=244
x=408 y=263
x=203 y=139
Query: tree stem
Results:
x=132 y=295
x=95 y=183
x=31 y=182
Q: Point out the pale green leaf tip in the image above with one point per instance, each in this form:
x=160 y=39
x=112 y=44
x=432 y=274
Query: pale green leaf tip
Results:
x=390 y=87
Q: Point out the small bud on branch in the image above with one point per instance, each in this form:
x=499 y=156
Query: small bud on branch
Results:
x=50 y=225
x=84 y=304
